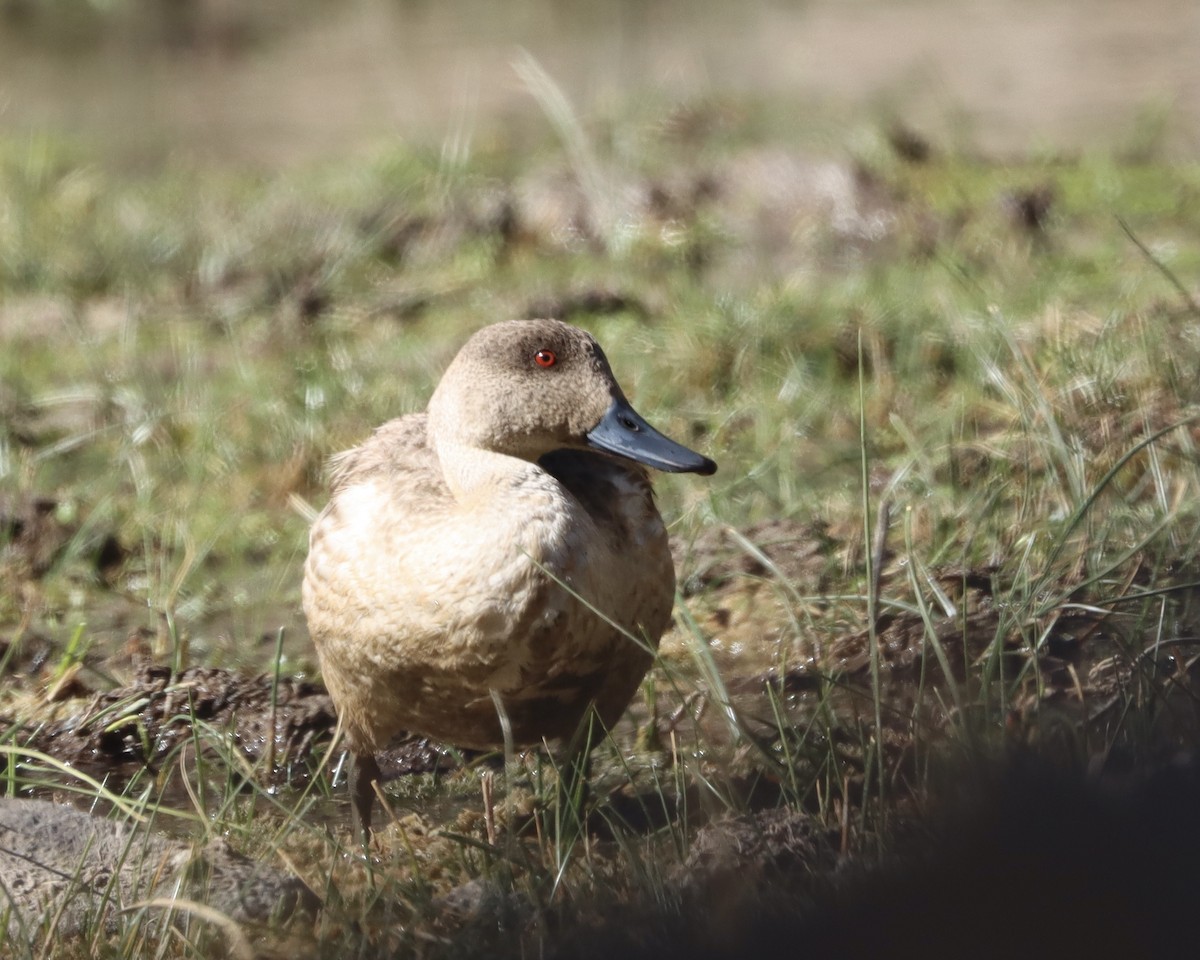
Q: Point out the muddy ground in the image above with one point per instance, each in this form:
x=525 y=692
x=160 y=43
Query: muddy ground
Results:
x=984 y=842
x=1081 y=661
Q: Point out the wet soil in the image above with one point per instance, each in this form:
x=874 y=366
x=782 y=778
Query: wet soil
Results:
x=748 y=590
x=146 y=721
x=797 y=666
x=284 y=726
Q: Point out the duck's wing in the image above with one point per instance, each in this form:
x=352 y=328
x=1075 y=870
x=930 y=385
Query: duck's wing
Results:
x=398 y=453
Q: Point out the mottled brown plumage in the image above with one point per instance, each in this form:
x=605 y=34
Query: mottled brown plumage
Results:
x=465 y=550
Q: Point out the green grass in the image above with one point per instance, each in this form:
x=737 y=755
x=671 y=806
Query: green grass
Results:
x=180 y=352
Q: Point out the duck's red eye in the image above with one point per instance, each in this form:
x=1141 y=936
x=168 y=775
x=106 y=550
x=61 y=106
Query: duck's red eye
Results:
x=545 y=358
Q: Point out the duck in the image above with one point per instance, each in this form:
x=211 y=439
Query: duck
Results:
x=490 y=570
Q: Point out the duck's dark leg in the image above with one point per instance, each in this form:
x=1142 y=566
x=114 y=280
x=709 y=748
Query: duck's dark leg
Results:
x=575 y=769
x=364 y=774
x=574 y=785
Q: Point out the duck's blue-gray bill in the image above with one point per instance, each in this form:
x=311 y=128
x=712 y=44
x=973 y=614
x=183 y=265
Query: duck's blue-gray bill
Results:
x=623 y=431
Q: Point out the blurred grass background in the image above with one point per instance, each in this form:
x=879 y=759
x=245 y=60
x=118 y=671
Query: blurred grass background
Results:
x=292 y=81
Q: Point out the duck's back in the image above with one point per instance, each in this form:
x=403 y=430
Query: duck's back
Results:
x=421 y=607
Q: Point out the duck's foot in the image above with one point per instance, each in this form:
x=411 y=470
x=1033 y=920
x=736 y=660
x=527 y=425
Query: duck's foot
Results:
x=364 y=774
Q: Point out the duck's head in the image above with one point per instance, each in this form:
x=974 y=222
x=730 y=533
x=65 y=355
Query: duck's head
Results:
x=527 y=387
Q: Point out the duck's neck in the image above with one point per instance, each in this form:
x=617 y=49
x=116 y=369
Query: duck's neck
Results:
x=472 y=472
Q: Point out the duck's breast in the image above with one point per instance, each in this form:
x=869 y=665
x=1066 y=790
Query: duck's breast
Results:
x=421 y=610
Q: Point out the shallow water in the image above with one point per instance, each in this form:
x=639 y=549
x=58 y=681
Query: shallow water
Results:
x=277 y=84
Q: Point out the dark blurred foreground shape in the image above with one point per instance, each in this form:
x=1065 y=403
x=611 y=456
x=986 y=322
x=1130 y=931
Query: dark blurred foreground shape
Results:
x=1026 y=861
